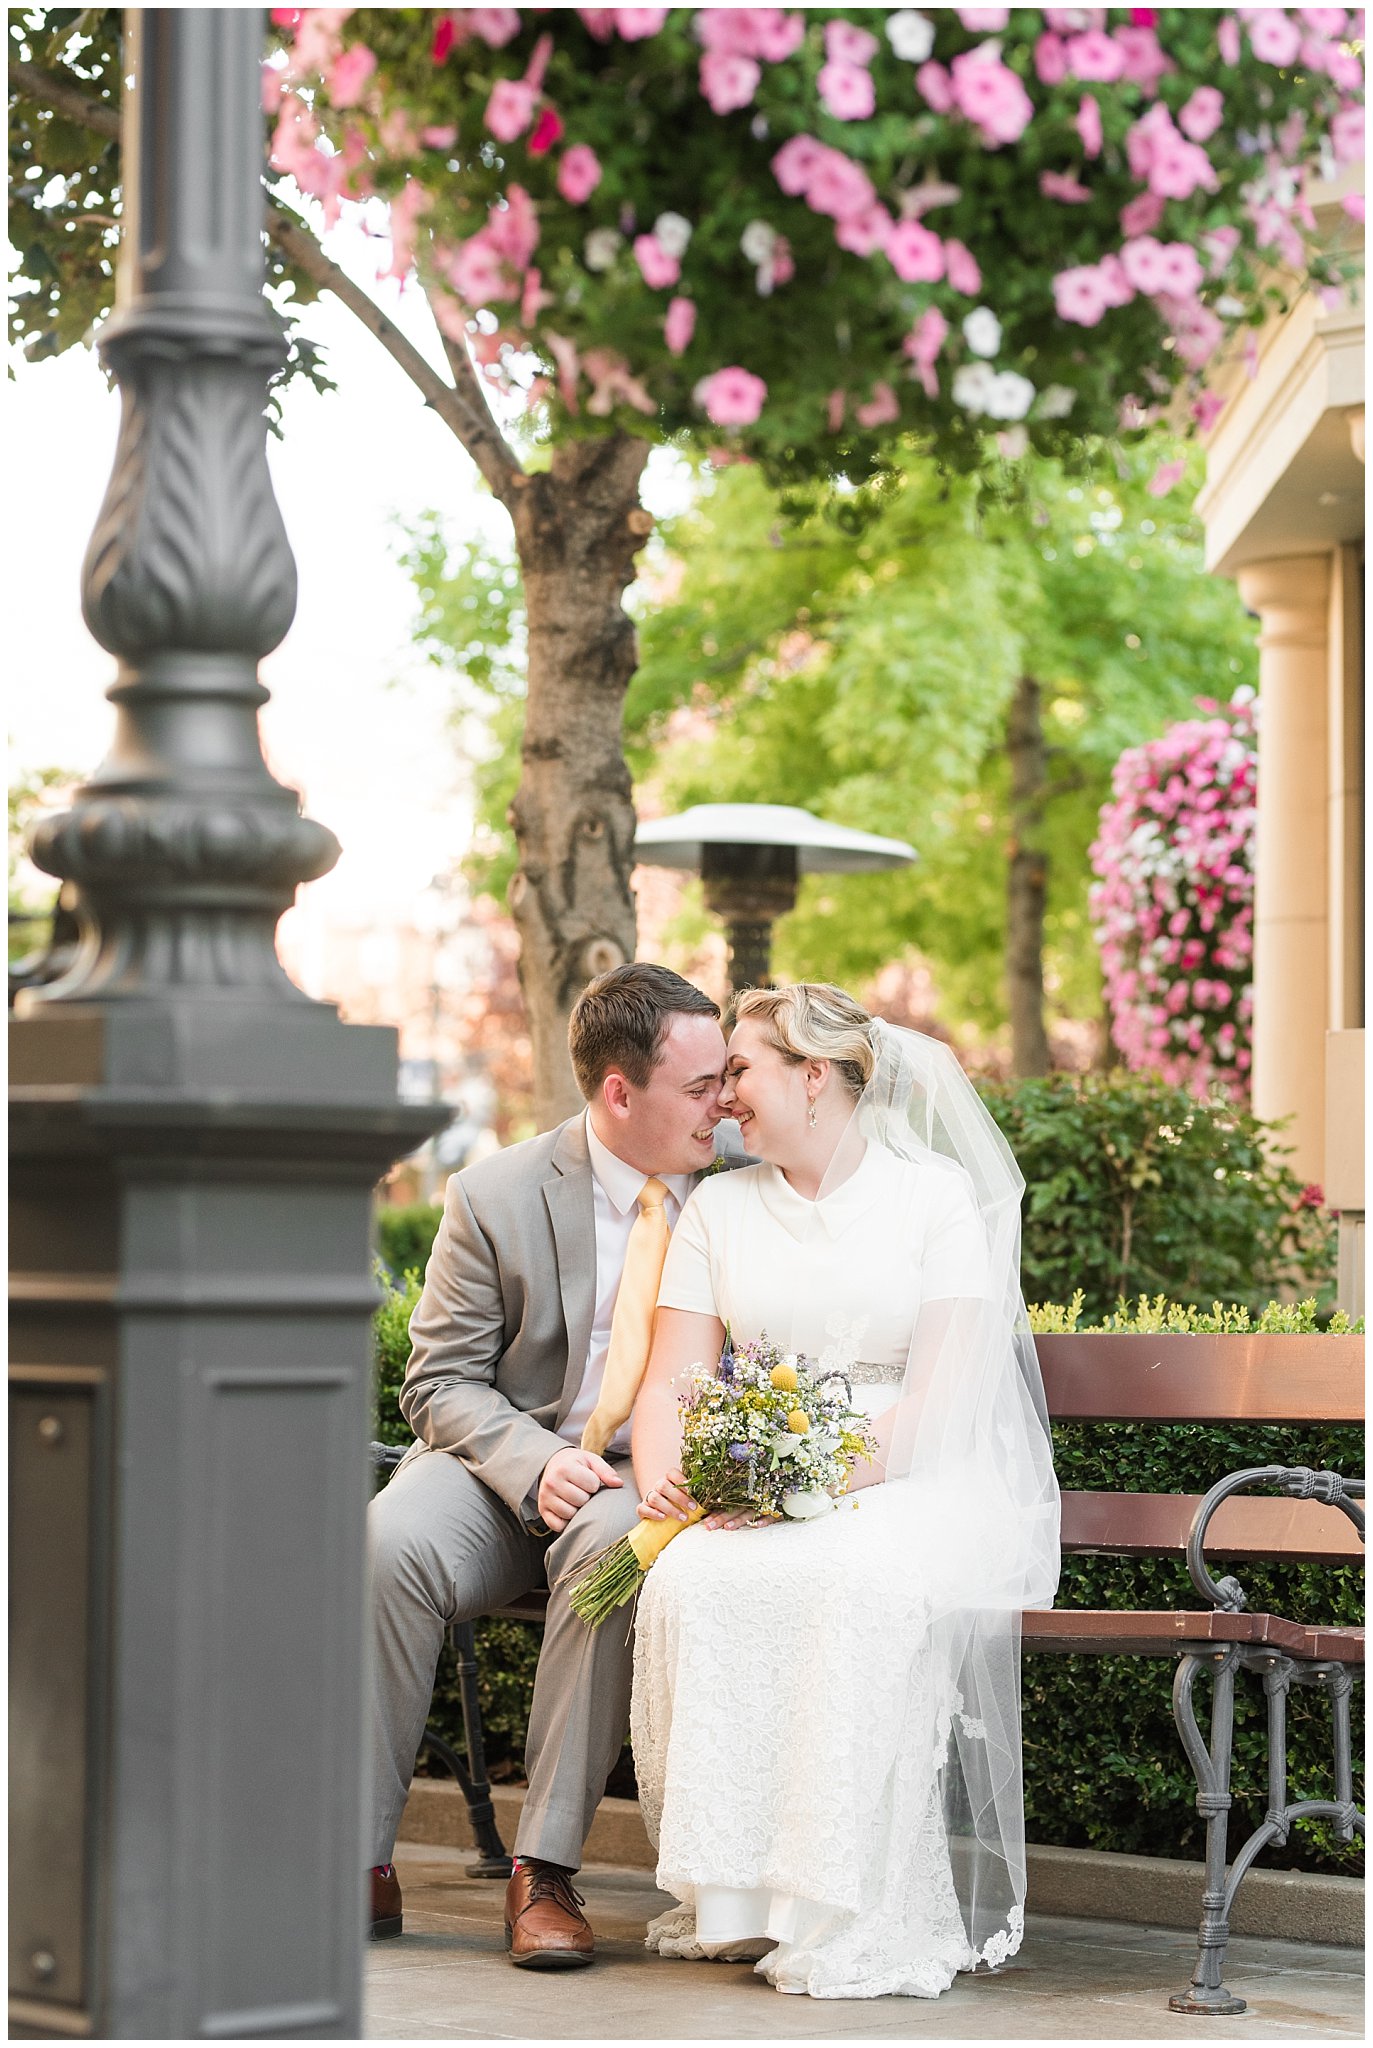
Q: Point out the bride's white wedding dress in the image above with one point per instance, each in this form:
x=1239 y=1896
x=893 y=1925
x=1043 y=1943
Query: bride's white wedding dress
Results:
x=790 y=1718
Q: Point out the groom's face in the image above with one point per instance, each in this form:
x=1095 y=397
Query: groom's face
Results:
x=668 y=1126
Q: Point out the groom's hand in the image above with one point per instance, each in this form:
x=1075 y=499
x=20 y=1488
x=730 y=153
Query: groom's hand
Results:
x=569 y=1479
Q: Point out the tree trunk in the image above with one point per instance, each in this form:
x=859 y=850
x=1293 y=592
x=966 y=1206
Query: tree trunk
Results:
x=1026 y=882
x=578 y=526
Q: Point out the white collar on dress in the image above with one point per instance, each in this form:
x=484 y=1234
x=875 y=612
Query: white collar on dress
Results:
x=837 y=1211
x=622 y=1183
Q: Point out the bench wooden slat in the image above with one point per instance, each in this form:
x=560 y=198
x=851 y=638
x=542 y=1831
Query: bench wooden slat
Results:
x=1144 y=1633
x=1245 y=1526
x=1107 y=1378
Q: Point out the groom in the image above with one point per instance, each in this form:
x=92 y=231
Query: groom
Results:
x=526 y=1349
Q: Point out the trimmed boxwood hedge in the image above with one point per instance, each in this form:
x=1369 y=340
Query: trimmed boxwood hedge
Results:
x=1103 y=1765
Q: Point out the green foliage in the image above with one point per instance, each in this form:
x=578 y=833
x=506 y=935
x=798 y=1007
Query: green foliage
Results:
x=868 y=678
x=1152 y=1318
x=1133 y=1187
x=405 y=1234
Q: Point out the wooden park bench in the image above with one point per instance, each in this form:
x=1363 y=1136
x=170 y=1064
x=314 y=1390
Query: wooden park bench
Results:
x=1273 y=1512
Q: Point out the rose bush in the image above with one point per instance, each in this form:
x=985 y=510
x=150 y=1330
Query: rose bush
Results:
x=1173 y=903
x=791 y=233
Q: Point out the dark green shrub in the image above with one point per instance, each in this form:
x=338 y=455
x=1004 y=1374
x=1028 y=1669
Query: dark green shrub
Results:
x=1103 y=1765
x=1133 y=1187
x=405 y=1235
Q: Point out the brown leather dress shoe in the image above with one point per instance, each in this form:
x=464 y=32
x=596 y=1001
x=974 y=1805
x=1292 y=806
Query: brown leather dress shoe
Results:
x=545 y=1928
x=387 y=1921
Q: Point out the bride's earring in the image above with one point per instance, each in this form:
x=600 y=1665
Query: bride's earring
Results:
x=810 y=1114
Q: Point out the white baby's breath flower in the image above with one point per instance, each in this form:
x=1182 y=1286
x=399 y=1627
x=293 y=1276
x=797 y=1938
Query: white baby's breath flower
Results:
x=982 y=331
x=672 y=231
x=910 y=35
x=601 y=247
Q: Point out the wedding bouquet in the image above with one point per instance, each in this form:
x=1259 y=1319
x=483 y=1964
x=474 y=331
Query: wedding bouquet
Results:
x=765 y=1431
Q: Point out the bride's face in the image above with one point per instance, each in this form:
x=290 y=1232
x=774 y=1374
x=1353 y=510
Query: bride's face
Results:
x=765 y=1093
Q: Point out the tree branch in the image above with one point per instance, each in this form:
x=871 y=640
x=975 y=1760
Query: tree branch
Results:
x=479 y=437
x=480 y=432
x=45 y=89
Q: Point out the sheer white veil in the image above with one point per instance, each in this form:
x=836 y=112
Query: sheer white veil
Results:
x=969 y=1461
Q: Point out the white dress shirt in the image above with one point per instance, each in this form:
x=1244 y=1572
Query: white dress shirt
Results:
x=615 y=1191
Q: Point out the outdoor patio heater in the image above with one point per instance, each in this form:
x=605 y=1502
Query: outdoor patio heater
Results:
x=750 y=858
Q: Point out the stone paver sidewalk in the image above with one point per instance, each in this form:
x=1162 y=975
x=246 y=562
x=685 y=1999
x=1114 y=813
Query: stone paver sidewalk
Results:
x=448 y=1979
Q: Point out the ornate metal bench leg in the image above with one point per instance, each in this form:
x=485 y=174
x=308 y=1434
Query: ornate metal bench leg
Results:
x=492 y=1860
x=1339 y=1684
x=1206 y=1993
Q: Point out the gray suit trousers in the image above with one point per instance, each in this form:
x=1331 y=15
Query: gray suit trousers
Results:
x=443 y=1547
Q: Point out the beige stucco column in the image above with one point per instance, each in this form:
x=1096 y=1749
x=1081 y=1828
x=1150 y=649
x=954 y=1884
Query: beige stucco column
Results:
x=1291 y=973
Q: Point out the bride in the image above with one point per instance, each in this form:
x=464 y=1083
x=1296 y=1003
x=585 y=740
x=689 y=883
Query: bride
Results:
x=826 y=1715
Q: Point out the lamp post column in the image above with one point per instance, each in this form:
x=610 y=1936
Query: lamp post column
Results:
x=193 y=1148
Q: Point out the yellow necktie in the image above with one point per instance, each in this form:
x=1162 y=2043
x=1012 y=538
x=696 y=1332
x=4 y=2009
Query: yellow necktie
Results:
x=631 y=1326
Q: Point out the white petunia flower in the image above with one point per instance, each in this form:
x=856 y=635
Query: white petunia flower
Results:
x=910 y=35
x=982 y=331
x=601 y=248
x=758 y=241
x=672 y=231
x=972 y=386
x=1009 y=396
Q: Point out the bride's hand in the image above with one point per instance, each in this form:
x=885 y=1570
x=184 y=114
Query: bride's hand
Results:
x=740 y=1518
x=668 y=1497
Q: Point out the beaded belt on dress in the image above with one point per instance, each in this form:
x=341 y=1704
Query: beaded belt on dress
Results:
x=867 y=1372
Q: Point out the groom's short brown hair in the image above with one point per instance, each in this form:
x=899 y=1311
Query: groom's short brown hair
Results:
x=621 y=1019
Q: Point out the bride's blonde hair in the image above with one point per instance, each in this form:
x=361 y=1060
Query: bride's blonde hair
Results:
x=813 y=1020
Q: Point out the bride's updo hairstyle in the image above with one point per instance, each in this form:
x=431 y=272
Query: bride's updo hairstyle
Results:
x=813 y=1020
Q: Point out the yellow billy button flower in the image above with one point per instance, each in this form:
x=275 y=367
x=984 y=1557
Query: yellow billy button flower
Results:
x=798 y=1422
x=784 y=1378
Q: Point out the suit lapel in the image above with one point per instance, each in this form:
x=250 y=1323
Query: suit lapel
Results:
x=568 y=1196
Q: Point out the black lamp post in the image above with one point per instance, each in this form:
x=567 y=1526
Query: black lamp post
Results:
x=750 y=858
x=194 y=1145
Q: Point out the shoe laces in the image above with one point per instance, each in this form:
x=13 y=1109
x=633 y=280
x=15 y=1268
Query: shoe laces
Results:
x=547 y=1881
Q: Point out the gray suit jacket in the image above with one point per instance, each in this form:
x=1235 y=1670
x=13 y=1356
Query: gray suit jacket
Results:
x=503 y=1326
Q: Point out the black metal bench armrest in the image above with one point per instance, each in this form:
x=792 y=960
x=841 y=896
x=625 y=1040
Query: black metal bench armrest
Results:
x=1300 y=1482
x=386 y=1457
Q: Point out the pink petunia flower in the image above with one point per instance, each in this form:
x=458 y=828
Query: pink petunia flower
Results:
x=846 y=43
x=658 y=268
x=1274 y=37
x=984 y=21
x=349 y=75
x=1059 y=185
x=1228 y=39
x=495 y=25
x=1051 y=59
x=1094 y=56
x=847 y=91
x=839 y=187
x=961 y=270
x=442 y=136
x=881 y=410
x=916 y=255
x=728 y=82
x=796 y=163
x=510 y=109
x=990 y=95
x=1207 y=408
x=1145 y=62
x=1347 y=135
x=1202 y=114
x=862 y=233
x=1087 y=121
x=1078 y=295
x=935 y=86
x=637 y=24
x=679 y=325
x=579 y=173
x=923 y=344
x=732 y=397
